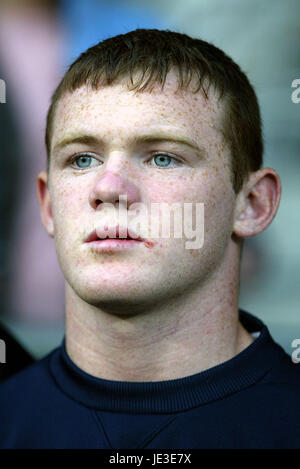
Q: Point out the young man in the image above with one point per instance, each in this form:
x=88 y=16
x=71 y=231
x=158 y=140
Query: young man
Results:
x=156 y=352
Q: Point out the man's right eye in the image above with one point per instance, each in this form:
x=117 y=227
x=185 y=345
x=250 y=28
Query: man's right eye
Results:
x=84 y=161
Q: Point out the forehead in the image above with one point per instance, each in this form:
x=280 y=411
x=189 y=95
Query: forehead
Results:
x=116 y=110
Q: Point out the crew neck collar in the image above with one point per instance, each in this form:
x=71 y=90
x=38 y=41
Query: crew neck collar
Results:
x=176 y=395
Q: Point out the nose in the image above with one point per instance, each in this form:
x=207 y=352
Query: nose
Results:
x=108 y=188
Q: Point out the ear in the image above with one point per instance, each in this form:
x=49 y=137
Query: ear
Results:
x=45 y=203
x=257 y=203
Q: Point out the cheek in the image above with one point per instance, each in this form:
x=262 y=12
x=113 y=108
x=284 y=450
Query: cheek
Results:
x=207 y=187
x=68 y=224
x=219 y=211
x=67 y=204
x=175 y=188
x=217 y=195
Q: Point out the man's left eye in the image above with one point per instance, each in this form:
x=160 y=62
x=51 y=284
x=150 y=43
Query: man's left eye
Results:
x=164 y=161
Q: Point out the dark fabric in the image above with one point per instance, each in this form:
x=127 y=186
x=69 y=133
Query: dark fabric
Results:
x=16 y=357
x=249 y=401
x=10 y=155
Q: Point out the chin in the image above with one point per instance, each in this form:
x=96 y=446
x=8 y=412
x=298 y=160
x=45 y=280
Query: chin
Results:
x=118 y=292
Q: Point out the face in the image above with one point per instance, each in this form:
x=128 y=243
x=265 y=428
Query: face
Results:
x=152 y=147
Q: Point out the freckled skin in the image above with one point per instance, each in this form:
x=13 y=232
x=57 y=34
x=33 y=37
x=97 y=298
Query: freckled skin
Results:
x=153 y=312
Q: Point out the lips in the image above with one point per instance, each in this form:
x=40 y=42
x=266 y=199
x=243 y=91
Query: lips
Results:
x=100 y=233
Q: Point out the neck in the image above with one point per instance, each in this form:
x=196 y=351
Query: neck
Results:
x=184 y=336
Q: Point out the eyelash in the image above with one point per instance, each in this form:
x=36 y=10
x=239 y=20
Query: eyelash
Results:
x=77 y=156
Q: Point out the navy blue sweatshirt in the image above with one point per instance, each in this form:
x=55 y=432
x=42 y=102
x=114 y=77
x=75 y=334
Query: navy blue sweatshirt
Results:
x=249 y=401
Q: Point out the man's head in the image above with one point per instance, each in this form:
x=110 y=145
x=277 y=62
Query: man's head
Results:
x=144 y=58
x=125 y=107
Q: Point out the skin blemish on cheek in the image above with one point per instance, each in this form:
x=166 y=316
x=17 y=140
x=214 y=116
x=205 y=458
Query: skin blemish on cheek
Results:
x=149 y=244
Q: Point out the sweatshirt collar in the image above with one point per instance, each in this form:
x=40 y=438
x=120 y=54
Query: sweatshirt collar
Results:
x=176 y=395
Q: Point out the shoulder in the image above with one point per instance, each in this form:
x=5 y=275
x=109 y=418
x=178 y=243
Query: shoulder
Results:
x=26 y=395
x=282 y=383
x=36 y=413
x=34 y=380
x=284 y=370
x=32 y=408
x=270 y=409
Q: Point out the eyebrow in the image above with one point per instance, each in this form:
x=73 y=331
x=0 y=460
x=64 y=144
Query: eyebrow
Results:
x=86 y=139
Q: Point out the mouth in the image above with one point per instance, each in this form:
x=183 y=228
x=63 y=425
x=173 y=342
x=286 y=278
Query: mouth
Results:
x=116 y=238
x=113 y=233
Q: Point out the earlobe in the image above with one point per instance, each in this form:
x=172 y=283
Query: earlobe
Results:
x=257 y=203
x=45 y=202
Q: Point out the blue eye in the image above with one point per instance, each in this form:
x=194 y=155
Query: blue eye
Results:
x=163 y=161
x=84 y=161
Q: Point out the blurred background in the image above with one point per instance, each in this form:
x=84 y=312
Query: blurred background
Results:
x=38 y=40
